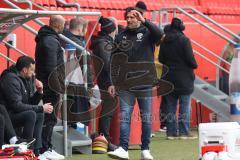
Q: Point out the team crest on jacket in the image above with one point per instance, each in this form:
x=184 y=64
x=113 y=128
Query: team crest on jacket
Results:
x=139 y=36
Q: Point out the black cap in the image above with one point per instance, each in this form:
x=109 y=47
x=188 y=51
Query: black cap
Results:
x=141 y=6
x=107 y=25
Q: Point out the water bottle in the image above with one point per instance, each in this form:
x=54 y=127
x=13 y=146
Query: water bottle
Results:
x=234 y=85
x=80 y=127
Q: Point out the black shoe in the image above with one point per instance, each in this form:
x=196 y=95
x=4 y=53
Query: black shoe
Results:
x=27 y=142
x=111 y=147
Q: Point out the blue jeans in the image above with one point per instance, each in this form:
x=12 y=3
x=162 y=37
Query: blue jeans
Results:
x=183 y=124
x=127 y=101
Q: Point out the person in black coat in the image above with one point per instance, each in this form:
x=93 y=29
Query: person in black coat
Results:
x=99 y=48
x=17 y=85
x=177 y=54
x=49 y=55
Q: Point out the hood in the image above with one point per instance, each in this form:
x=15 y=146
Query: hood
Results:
x=99 y=38
x=46 y=31
x=172 y=36
x=12 y=69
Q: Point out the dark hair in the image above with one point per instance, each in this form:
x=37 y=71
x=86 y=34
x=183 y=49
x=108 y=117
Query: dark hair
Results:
x=24 y=61
x=167 y=28
x=129 y=9
x=177 y=24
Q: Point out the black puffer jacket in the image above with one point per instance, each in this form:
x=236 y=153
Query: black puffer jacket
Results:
x=17 y=93
x=48 y=54
x=176 y=53
x=143 y=41
x=98 y=48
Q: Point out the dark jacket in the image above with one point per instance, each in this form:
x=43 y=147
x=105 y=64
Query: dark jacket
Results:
x=80 y=41
x=17 y=93
x=98 y=46
x=176 y=53
x=143 y=41
x=48 y=53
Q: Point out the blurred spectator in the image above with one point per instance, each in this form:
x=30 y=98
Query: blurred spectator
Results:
x=177 y=54
x=49 y=55
x=77 y=31
x=163 y=108
x=17 y=88
x=99 y=44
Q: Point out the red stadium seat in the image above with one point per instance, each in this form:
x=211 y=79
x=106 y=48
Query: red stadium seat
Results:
x=83 y=3
x=45 y=2
x=38 y=2
x=52 y=3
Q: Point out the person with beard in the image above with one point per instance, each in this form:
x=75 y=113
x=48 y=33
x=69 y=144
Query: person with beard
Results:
x=99 y=43
x=142 y=36
x=177 y=54
x=17 y=93
x=48 y=55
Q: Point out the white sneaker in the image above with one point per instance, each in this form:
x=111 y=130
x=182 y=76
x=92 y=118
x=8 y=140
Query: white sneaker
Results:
x=57 y=155
x=42 y=157
x=146 y=155
x=48 y=155
x=119 y=153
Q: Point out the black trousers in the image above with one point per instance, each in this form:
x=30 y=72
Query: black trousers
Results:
x=8 y=128
x=50 y=120
x=109 y=105
x=32 y=123
x=2 y=124
x=163 y=112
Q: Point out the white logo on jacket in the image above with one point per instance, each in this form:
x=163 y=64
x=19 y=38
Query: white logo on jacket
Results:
x=139 y=36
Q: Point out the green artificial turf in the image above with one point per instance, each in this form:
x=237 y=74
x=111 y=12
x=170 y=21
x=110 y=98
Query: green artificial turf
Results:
x=161 y=149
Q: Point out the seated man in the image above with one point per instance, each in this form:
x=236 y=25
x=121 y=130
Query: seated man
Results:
x=17 y=89
x=7 y=131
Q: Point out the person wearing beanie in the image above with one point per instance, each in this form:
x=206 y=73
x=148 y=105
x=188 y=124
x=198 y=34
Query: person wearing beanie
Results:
x=99 y=48
x=177 y=54
x=142 y=36
x=141 y=6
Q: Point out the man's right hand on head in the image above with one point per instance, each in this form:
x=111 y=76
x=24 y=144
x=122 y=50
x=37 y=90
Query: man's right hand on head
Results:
x=47 y=108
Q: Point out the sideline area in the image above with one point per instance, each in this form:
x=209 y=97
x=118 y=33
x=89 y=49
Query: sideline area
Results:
x=161 y=149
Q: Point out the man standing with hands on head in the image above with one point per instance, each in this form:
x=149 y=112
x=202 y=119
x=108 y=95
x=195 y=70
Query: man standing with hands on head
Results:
x=143 y=35
x=49 y=54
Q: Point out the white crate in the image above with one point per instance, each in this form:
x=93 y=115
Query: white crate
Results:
x=226 y=133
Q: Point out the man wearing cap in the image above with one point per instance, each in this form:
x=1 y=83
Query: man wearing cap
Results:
x=105 y=37
x=140 y=36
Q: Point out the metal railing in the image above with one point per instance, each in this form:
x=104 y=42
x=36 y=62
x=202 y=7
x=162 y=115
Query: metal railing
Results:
x=163 y=17
x=47 y=13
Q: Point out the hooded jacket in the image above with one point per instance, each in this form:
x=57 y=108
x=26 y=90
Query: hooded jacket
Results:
x=17 y=93
x=176 y=53
x=98 y=46
x=48 y=53
x=143 y=41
